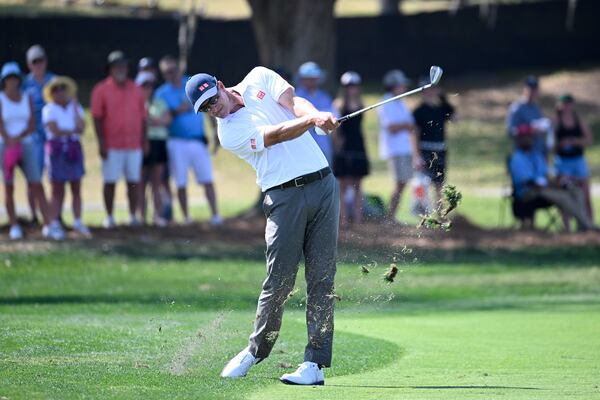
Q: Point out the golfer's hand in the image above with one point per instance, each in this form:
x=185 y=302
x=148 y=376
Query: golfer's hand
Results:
x=325 y=121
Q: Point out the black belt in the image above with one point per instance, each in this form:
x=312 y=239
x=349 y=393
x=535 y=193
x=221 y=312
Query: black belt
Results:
x=303 y=180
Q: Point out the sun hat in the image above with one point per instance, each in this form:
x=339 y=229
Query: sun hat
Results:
x=58 y=81
x=350 y=78
x=200 y=88
x=10 y=68
x=310 y=69
x=35 y=52
x=143 y=77
x=394 y=77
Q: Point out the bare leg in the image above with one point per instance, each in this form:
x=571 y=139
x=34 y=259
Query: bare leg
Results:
x=143 y=206
x=585 y=186
x=31 y=199
x=211 y=196
x=357 y=201
x=395 y=200
x=109 y=198
x=76 y=197
x=155 y=181
x=9 y=200
x=58 y=195
x=40 y=197
x=182 y=195
x=132 y=196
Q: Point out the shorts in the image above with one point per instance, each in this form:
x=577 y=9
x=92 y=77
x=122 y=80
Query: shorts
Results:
x=64 y=160
x=157 y=154
x=185 y=154
x=401 y=167
x=350 y=164
x=434 y=165
x=122 y=162
x=574 y=167
x=39 y=144
x=29 y=163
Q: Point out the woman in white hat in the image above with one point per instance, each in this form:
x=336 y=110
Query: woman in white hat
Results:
x=17 y=123
x=62 y=117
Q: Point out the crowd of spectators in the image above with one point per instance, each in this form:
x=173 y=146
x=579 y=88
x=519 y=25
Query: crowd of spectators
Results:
x=149 y=136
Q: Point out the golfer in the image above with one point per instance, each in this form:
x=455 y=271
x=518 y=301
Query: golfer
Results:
x=262 y=122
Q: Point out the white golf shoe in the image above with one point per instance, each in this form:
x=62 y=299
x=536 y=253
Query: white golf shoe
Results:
x=239 y=365
x=308 y=373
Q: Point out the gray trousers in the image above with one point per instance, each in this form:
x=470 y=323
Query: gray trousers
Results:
x=300 y=220
x=569 y=201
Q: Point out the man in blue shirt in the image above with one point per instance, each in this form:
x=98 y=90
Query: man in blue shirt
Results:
x=310 y=78
x=187 y=145
x=33 y=84
x=528 y=172
x=526 y=111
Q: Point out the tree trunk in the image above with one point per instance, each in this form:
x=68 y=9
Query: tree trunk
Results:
x=389 y=7
x=291 y=32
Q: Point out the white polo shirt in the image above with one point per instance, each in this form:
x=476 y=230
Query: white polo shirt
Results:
x=243 y=132
x=394 y=144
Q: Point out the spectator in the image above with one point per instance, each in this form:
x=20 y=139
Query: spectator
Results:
x=430 y=119
x=64 y=121
x=572 y=137
x=531 y=185
x=17 y=123
x=311 y=77
x=397 y=142
x=147 y=64
x=187 y=145
x=158 y=119
x=119 y=112
x=526 y=110
x=33 y=84
x=350 y=162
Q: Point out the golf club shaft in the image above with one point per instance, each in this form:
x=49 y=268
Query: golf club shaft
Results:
x=358 y=112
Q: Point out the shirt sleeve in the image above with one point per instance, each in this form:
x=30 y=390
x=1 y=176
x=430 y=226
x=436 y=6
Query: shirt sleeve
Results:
x=97 y=106
x=512 y=120
x=272 y=82
x=241 y=139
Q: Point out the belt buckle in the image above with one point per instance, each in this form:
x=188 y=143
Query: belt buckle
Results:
x=296 y=182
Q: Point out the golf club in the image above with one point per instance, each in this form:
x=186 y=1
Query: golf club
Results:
x=435 y=74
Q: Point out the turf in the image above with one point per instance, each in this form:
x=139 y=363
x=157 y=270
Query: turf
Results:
x=84 y=323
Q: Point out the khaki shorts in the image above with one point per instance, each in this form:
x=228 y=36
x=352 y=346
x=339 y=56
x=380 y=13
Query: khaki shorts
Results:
x=401 y=167
x=120 y=163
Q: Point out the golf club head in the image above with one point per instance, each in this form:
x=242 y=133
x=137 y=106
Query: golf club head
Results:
x=435 y=74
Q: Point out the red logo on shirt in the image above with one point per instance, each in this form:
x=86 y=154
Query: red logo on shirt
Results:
x=253 y=142
x=260 y=94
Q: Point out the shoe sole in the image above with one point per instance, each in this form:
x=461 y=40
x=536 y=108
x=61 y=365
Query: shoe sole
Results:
x=287 y=382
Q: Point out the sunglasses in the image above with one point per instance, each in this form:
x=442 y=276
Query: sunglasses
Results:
x=205 y=107
x=58 y=88
x=38 y=60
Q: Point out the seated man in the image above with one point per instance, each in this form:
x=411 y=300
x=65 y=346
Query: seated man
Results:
x=529 y=176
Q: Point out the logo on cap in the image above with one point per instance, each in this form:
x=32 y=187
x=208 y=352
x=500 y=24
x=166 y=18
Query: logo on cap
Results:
x=260 y=94
x=203 y=87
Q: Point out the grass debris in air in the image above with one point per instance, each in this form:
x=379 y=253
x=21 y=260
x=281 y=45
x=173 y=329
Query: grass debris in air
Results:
x=438 y=218
x=391 y=273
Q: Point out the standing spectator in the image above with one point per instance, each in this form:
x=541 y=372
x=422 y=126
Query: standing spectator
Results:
x=33 y=84
x=311 y=77
x=147 y=64
x=572 y=137
x=17 y=123
x=350 y=162
x=526 y=110
x=119 y=112
x=187 y=145
x=158 y=119
x=430 y=119
x=397 y=141
x=529 y=176
x=63 y=119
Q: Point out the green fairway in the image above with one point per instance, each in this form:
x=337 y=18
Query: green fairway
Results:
x=108 y=323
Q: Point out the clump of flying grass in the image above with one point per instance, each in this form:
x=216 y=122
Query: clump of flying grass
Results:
x=438 y=218
x=391 y=273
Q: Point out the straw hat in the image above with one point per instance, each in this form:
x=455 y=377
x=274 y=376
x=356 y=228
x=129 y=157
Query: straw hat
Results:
x=58 y=81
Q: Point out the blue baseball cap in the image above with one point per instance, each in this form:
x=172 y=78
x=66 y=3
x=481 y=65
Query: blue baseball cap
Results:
x=200 y=88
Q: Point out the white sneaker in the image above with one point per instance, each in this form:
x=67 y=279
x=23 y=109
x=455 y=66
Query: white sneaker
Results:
x=216 y=220
x=239 y=365
x=109 y=222
x=80 y=228
x=134 y=221
x=187 y=221
x=308 y=373
x=15 y=233
x=53 y=231
x=160 y=222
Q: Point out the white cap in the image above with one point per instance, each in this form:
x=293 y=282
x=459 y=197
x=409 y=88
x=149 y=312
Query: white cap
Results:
x=394 y=77
x=350 y=78
x=35 y=52
x=143 y=77
x=310 y=69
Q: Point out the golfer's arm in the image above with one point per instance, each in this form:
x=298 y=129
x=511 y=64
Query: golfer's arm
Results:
x=287 y=130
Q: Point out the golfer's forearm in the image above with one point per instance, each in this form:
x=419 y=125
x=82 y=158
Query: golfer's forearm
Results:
x=287 y=130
